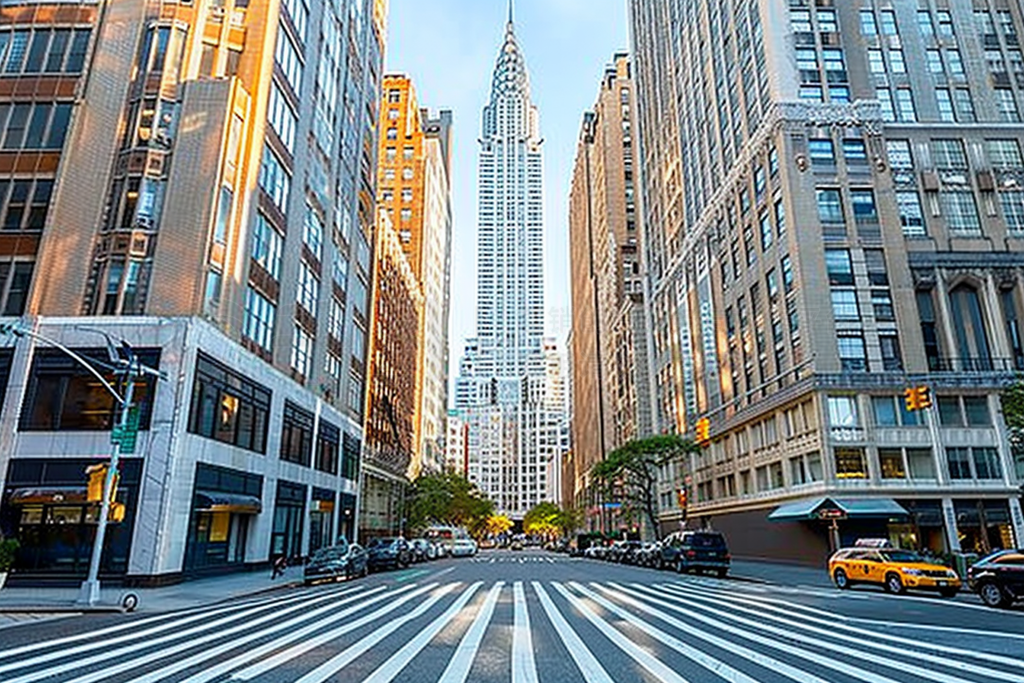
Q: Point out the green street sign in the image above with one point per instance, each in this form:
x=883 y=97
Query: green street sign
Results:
x=127 y=435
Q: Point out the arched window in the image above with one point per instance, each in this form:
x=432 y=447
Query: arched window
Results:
x=969 y=327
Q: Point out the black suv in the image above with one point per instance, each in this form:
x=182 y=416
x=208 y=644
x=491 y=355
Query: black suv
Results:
x=687 y=551
x=999 y=578
x=385 y=553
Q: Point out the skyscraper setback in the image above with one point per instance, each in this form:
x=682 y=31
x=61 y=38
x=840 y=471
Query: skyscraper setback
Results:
x=506 y=379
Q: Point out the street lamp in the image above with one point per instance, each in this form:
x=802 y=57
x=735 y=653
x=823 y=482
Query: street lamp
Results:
x=124 y=362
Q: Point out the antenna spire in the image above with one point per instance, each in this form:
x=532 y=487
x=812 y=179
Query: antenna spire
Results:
x=510 y=14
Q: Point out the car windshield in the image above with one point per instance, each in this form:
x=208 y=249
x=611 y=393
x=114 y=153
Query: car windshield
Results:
x=707 y=541
x=901 y=556
x=381 y=542
x=331 y=553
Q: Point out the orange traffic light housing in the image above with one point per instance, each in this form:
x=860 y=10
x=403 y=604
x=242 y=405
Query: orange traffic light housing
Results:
x=918 y=398
x=703 y=432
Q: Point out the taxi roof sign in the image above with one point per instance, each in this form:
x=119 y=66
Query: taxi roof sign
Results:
x=873 y=543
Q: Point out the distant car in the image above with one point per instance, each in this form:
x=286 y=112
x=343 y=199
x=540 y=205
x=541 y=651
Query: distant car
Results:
x=894 y=569
x=999 y=578
x=343 y=561
x=696 y=551
x=516 y=545
x=421 y=550
x=464 y=547
x=440 y=550
x=385 y=553
x=648 y=555
x=629 y=552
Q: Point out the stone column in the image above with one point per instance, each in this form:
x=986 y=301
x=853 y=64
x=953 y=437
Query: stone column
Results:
x=949 y=522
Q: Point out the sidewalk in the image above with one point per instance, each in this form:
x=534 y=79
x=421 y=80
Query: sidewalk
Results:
x=180 y=596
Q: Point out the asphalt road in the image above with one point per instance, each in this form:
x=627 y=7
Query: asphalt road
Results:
x=529 y=617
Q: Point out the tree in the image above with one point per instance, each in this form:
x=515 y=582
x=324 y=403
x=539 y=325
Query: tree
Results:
x=542 y=519
x=570 y=519
x=1013 y=415
x=448 y=499
x=498 y=524
x=633 y=469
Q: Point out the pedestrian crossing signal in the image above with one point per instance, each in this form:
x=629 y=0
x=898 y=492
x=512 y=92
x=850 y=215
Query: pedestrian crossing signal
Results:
x=918 y=398
x=703 y=432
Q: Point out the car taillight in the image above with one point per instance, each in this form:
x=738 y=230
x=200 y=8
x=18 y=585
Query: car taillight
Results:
x=691 y=553
x=728 y=556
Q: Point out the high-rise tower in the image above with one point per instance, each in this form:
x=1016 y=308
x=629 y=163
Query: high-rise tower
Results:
x=507 y=377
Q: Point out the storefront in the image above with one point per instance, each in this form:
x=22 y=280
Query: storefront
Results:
x=321 y=519
x=46 y=507
x=224 y=505
x=984 y=525
x=289 y=506
x=846 y=520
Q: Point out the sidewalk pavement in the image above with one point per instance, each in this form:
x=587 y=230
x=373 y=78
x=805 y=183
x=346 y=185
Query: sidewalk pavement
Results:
x=166 y=598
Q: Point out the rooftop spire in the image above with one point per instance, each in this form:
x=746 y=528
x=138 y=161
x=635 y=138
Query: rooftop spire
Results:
x=510 y=14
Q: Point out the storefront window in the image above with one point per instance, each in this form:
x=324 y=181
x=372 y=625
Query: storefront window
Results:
x=921 y=463
x=850 y=463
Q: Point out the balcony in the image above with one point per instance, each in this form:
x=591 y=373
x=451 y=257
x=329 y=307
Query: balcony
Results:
x=970 y=365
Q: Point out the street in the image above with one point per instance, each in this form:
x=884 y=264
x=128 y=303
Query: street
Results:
x=532 y=616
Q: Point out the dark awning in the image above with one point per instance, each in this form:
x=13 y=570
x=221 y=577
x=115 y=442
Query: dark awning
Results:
x=854 y=508
x=215 y=501
x=48 y=494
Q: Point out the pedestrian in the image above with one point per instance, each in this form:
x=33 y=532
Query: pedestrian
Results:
x=279 y=565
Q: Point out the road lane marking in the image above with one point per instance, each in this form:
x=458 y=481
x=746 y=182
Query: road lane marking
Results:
x=280 y=658
x=458 y=668
x=249 y=655
x=338 y=662
x=659 y=669
x=585 y=660
x=73 y=663
x=716 y=666
x=524 y=669
x=732 y=647
x=695 y=601
x=387 y=671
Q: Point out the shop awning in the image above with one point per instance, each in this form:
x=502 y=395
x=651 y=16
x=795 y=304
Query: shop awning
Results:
x=215 y=501
x=854 y=508
x=48 y=494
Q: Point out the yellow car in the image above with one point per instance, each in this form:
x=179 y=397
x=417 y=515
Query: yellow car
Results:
x=895 y=570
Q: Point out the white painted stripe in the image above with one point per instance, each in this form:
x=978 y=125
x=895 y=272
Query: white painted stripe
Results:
x=832 y=622
x=458 y=668
x=638 y=654
x=280 y=658
x=387 y=671
x=585 y=660
x=213 y=628
x=312 y=621
x=710 y=663
x=732 y=647
x=524 y=670
x=99 y=640
x=335 y=664
x=760 y=626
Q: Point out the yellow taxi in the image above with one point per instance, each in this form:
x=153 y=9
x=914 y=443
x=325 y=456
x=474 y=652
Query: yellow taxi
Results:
x=894 y=569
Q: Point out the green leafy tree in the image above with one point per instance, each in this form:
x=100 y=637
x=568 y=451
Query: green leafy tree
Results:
x=542 y=519
x=570 y=519
x=8 y=550
x=1013 y=415
x=633 y=470
x=448 y=499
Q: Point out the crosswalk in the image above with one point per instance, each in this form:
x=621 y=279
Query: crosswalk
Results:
x=521 y=559
x=676 y=631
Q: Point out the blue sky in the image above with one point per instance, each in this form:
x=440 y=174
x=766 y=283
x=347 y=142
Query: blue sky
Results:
x=448 y=47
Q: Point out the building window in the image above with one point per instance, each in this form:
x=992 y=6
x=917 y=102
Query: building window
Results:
x=969 y=327
x=839 y=267
x=852 y=355
x=959 y=462
x=881 y=303
x=289 y=62
x=1007 y=103
x=1004 y=153
x=822 y=152
x=921 y=463
x=38 y=125
x=842 y=411
x=949 y=411
x=328 y=444
x=851 y=463
x=863 y=204
x=313 y=233
x=228 y=407
x=855 y=151
x=896 y=63
x=830 y=206
x=1013 y=211
x=986 y=463
x=260 y=315
x=868 y=26
x=890 y=461
x=945 y=102
x=976 y=411
x=911 y=216
x=885 y=100
x=24 y=204
x=961 y=212
x=266 y=246
x=296 y=435
x=905 y=105
x=876 y=62
x=302 y=351
x=308 y=292
x=934 y=58
x=844 y=304
x=945 y=19
x=15 y=280
x=336 y=319
x=275 y=179
x=964 y=105
x=892 y=358
x=282 y=117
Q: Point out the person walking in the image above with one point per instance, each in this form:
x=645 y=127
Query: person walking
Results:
x=278 y=567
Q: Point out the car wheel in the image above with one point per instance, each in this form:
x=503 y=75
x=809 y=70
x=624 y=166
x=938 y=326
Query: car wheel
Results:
x=841 y=579
x=722 y=573
x=992 y=595
x=894 y=584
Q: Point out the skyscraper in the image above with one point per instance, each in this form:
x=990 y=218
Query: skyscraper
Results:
x=833 y=214
x=508 y=367
x=196 y=178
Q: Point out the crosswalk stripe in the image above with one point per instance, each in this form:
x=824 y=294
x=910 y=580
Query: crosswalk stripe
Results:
x=758 y=658
x=710 y=663
x=280 y=658
x=863 y=641
x=524 y=669
x=165 y=671
x=844 y=667
x=98 y=640
x=338 y=662
x=458 y=667
x=585 y=660
x=641 y=656
x=832 y=622
x=73 y=663
x=387 y=671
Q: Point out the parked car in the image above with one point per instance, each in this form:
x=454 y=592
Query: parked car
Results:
x=894 y=569
x=421 y=550
x=440 y=550
x=648 y=555
x=630 y=552
x=696 y=551
x=386 y=553
x=343 y=561
x=999 y=578
x=464 y=547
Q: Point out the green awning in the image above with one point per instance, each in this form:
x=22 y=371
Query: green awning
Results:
x=803 y=509
x=854 y=508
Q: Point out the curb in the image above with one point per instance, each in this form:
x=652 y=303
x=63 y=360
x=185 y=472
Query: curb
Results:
x=61 y=609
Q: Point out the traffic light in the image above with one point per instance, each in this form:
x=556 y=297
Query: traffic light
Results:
x=703 y=432
x=681 y=499
x=918 y=398
x=97 y=480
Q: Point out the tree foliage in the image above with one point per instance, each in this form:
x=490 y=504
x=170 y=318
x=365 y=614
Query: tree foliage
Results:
x=1013 y=415
x=498 y=525
x=550 y=520
x=633 y=470
x=448 y=499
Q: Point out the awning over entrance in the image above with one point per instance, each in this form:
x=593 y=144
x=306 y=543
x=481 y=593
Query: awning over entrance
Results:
x=854 y=508
x=48 y=494
x=215 y=501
